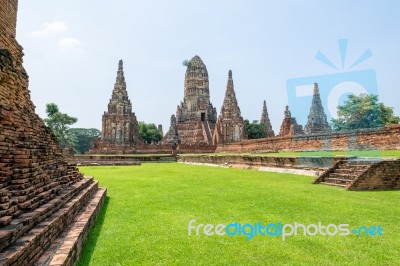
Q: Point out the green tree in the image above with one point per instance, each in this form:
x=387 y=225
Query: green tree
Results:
x=84 y=137
x=149 y=132
x=255 y=130
x=363 y=111
x=60 y=123
x=186 y=63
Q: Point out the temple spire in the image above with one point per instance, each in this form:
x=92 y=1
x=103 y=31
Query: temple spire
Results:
x=230 y=126
x=316 y=89
x=266 y=122
x=317 y=120
x=120 y=73
x=230 y=80
x=230 y=89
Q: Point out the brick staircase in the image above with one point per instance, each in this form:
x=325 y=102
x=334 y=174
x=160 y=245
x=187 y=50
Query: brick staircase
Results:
x=53 y=234
x=207 y=131
x=346 y=172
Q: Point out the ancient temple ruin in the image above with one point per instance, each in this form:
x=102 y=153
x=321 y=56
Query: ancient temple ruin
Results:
x=289 y=126
x=317 y=122
x=172 y=136
x=120 y=130
x=41 y=195
x=269 y=133
x=196 y=116
x=229 y=127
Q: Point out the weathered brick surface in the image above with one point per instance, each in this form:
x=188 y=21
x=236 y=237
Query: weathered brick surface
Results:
x=40 y=193
x=8 y=17
x=65 y=250
x=266 y=122
x=120 y=130
x=316 y=121
x=172 y=136
x=94 y=160
x=230 y=126
x=314 y=163
x=195 y=115
x=383 y=175
x=289 y=126
x=363 y=174
x=37 y=241
x=33 y=170
x=387 y=138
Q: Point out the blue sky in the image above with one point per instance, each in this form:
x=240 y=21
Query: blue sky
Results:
x=72 y=50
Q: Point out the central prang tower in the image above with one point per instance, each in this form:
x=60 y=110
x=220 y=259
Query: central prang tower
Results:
x=196 y=116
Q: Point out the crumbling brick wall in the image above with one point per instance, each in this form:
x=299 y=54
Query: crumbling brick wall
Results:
x=387 y=138
x=32 y=168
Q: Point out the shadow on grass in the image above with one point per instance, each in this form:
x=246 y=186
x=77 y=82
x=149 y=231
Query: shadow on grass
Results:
x=91 y=241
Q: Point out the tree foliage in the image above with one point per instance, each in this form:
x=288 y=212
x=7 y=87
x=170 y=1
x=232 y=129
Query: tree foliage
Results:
x=149 y=133
x=186 y=63
x=363 y=111
x=60 y=123
x=255 y=130
x=84 y=137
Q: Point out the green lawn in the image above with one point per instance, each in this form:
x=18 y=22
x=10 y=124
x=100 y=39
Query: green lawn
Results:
x=146 y=214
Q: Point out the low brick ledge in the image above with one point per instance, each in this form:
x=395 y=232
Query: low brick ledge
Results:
x=30 y=247
x=67 y=248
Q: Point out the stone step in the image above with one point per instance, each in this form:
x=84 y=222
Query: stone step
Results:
x=338 y=180
x=26 y=221
x=355 y=167
x=343 y=176
x=66 y=249
x=333 y=184
x=347 y=171
x=363 y=163
x=32 y=245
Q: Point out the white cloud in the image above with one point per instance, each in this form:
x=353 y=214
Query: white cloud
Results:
x=54 y=27
x=69 y=43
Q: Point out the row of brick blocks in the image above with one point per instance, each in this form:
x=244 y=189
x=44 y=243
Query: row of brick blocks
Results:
x=53 y=234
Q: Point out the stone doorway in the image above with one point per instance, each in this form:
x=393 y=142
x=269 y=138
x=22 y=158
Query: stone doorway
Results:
x=203 y=117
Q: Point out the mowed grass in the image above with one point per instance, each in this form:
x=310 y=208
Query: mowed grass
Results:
x=146 y=214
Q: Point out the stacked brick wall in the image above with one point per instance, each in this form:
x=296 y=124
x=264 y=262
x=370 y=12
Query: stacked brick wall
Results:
x=195 y=148
x=314 y=163
x=103 y=147
x=35 y=180
x=8 y=17
x=384 y=175
x=33 y=170
x=387 y=138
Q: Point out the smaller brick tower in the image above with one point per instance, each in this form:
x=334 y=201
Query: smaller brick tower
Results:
x=289 y=126
x=172 y=136
x=229 y=127
x=266 y=122
x=317 y=121
x=120 y=130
